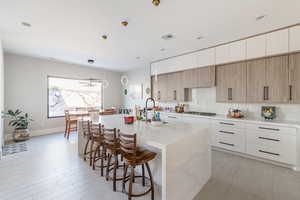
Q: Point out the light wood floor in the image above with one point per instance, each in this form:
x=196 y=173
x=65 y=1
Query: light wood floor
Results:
x=51 y=169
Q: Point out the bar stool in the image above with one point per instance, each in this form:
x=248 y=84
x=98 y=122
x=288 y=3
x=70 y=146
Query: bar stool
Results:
x=89 y=144
x=71 y=124
x=100 y=151
x=133 y=157
x=112 y=146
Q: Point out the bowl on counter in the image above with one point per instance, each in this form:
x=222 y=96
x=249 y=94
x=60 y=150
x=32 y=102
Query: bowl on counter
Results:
x=129 y=119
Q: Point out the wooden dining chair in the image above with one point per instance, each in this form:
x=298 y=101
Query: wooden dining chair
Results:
x=133 y=157
x=71 y=124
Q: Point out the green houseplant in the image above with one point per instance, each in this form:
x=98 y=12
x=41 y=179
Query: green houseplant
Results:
x=20 y=121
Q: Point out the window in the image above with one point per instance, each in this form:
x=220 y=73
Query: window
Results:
x=64 y=93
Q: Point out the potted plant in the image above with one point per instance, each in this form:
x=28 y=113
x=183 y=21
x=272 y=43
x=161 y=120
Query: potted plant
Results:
x=20 y=121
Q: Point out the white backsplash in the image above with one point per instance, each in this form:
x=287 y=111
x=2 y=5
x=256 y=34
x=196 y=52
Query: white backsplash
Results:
x=204 y=100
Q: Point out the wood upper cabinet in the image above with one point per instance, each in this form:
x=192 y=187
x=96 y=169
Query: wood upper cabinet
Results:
x=256 y=70
x=154 y=88
x=175 y=88
x=202 y=77
x=231 y=83
x=190 y=78
x=267 y=80
x=294 y=78
x=277 y=79
x=162 y=85
x=206 y=77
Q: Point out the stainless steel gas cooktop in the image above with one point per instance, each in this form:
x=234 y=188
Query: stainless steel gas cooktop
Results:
x=201 y=113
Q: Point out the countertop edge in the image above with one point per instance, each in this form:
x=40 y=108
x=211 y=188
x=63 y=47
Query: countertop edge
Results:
x=223 y=117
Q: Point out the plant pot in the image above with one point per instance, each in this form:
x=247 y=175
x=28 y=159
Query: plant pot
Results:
x=20 y=135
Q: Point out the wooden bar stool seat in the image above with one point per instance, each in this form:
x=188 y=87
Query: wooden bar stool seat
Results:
x=133 y=157
x=100 y=152
x=92 y=133
x=112 y=146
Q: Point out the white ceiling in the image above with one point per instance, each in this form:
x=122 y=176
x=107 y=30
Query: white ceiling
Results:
x=70 y=30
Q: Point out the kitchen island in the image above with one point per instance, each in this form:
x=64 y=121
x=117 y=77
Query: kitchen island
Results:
x=183 y=164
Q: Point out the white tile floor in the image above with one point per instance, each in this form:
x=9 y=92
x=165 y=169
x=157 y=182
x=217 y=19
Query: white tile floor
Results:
x=51 y=169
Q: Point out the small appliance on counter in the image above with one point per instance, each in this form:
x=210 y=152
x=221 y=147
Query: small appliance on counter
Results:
x=268 y=112
x=235 y=113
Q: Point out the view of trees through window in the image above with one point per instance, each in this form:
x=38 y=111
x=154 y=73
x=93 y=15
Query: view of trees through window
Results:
x=66 y=93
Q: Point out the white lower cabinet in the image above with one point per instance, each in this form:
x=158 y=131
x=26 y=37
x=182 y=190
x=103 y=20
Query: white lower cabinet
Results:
x=229 y=135
x=273 y=143
x=270 y=142
x=262 y=140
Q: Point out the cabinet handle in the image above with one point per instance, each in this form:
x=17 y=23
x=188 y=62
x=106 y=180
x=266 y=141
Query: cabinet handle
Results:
x=230 y=124
x=267 y=152
x=271 y=129
x=230 y=94
x=225 y=143
x=227 y=132
x=266 y=93
x=172 y=117
x=175 y=95
x=158 y=95
x=264 y=138
x=291 y=92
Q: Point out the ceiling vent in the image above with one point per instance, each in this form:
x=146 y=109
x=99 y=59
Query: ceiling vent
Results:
x=167 y=37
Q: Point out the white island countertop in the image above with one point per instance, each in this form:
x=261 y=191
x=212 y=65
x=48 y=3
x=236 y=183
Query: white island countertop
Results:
x=184 y=153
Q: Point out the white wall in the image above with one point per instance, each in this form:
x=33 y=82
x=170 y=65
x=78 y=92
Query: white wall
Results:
x=1 y=96
x=26 y=88
x=136 y=77
x=204 y=99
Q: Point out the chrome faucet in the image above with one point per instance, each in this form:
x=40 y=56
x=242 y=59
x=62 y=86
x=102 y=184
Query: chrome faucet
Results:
x=147 y=109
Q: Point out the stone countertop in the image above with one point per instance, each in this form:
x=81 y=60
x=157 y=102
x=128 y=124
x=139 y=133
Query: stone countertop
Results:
x=156 y=135
x=285 y=123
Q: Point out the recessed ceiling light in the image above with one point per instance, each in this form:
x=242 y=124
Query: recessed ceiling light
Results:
x=260 y=17
x=162 y=49
x=26 y=24
x=124 y=23
x=91 y=61
x=167 y=37
x=156 y=2
x=200 y=38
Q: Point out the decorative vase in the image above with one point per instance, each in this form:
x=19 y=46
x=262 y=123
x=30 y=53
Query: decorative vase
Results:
x=20 y=135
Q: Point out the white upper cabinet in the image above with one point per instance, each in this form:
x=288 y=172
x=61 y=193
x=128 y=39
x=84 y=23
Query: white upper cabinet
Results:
x=237 y=51
x=206 y=57
x=256 y=47
x=223 y=54
x=187 y=61
x=294 y=38
x=232 y=52
x=174 y=64
x=277 y=42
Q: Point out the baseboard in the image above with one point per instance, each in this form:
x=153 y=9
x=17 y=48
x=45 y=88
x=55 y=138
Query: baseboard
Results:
x=35 y=133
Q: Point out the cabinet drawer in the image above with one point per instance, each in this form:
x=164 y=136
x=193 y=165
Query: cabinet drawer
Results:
x=277 y=147
x=229 y=124
x=229 y=140
x=272 y=129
